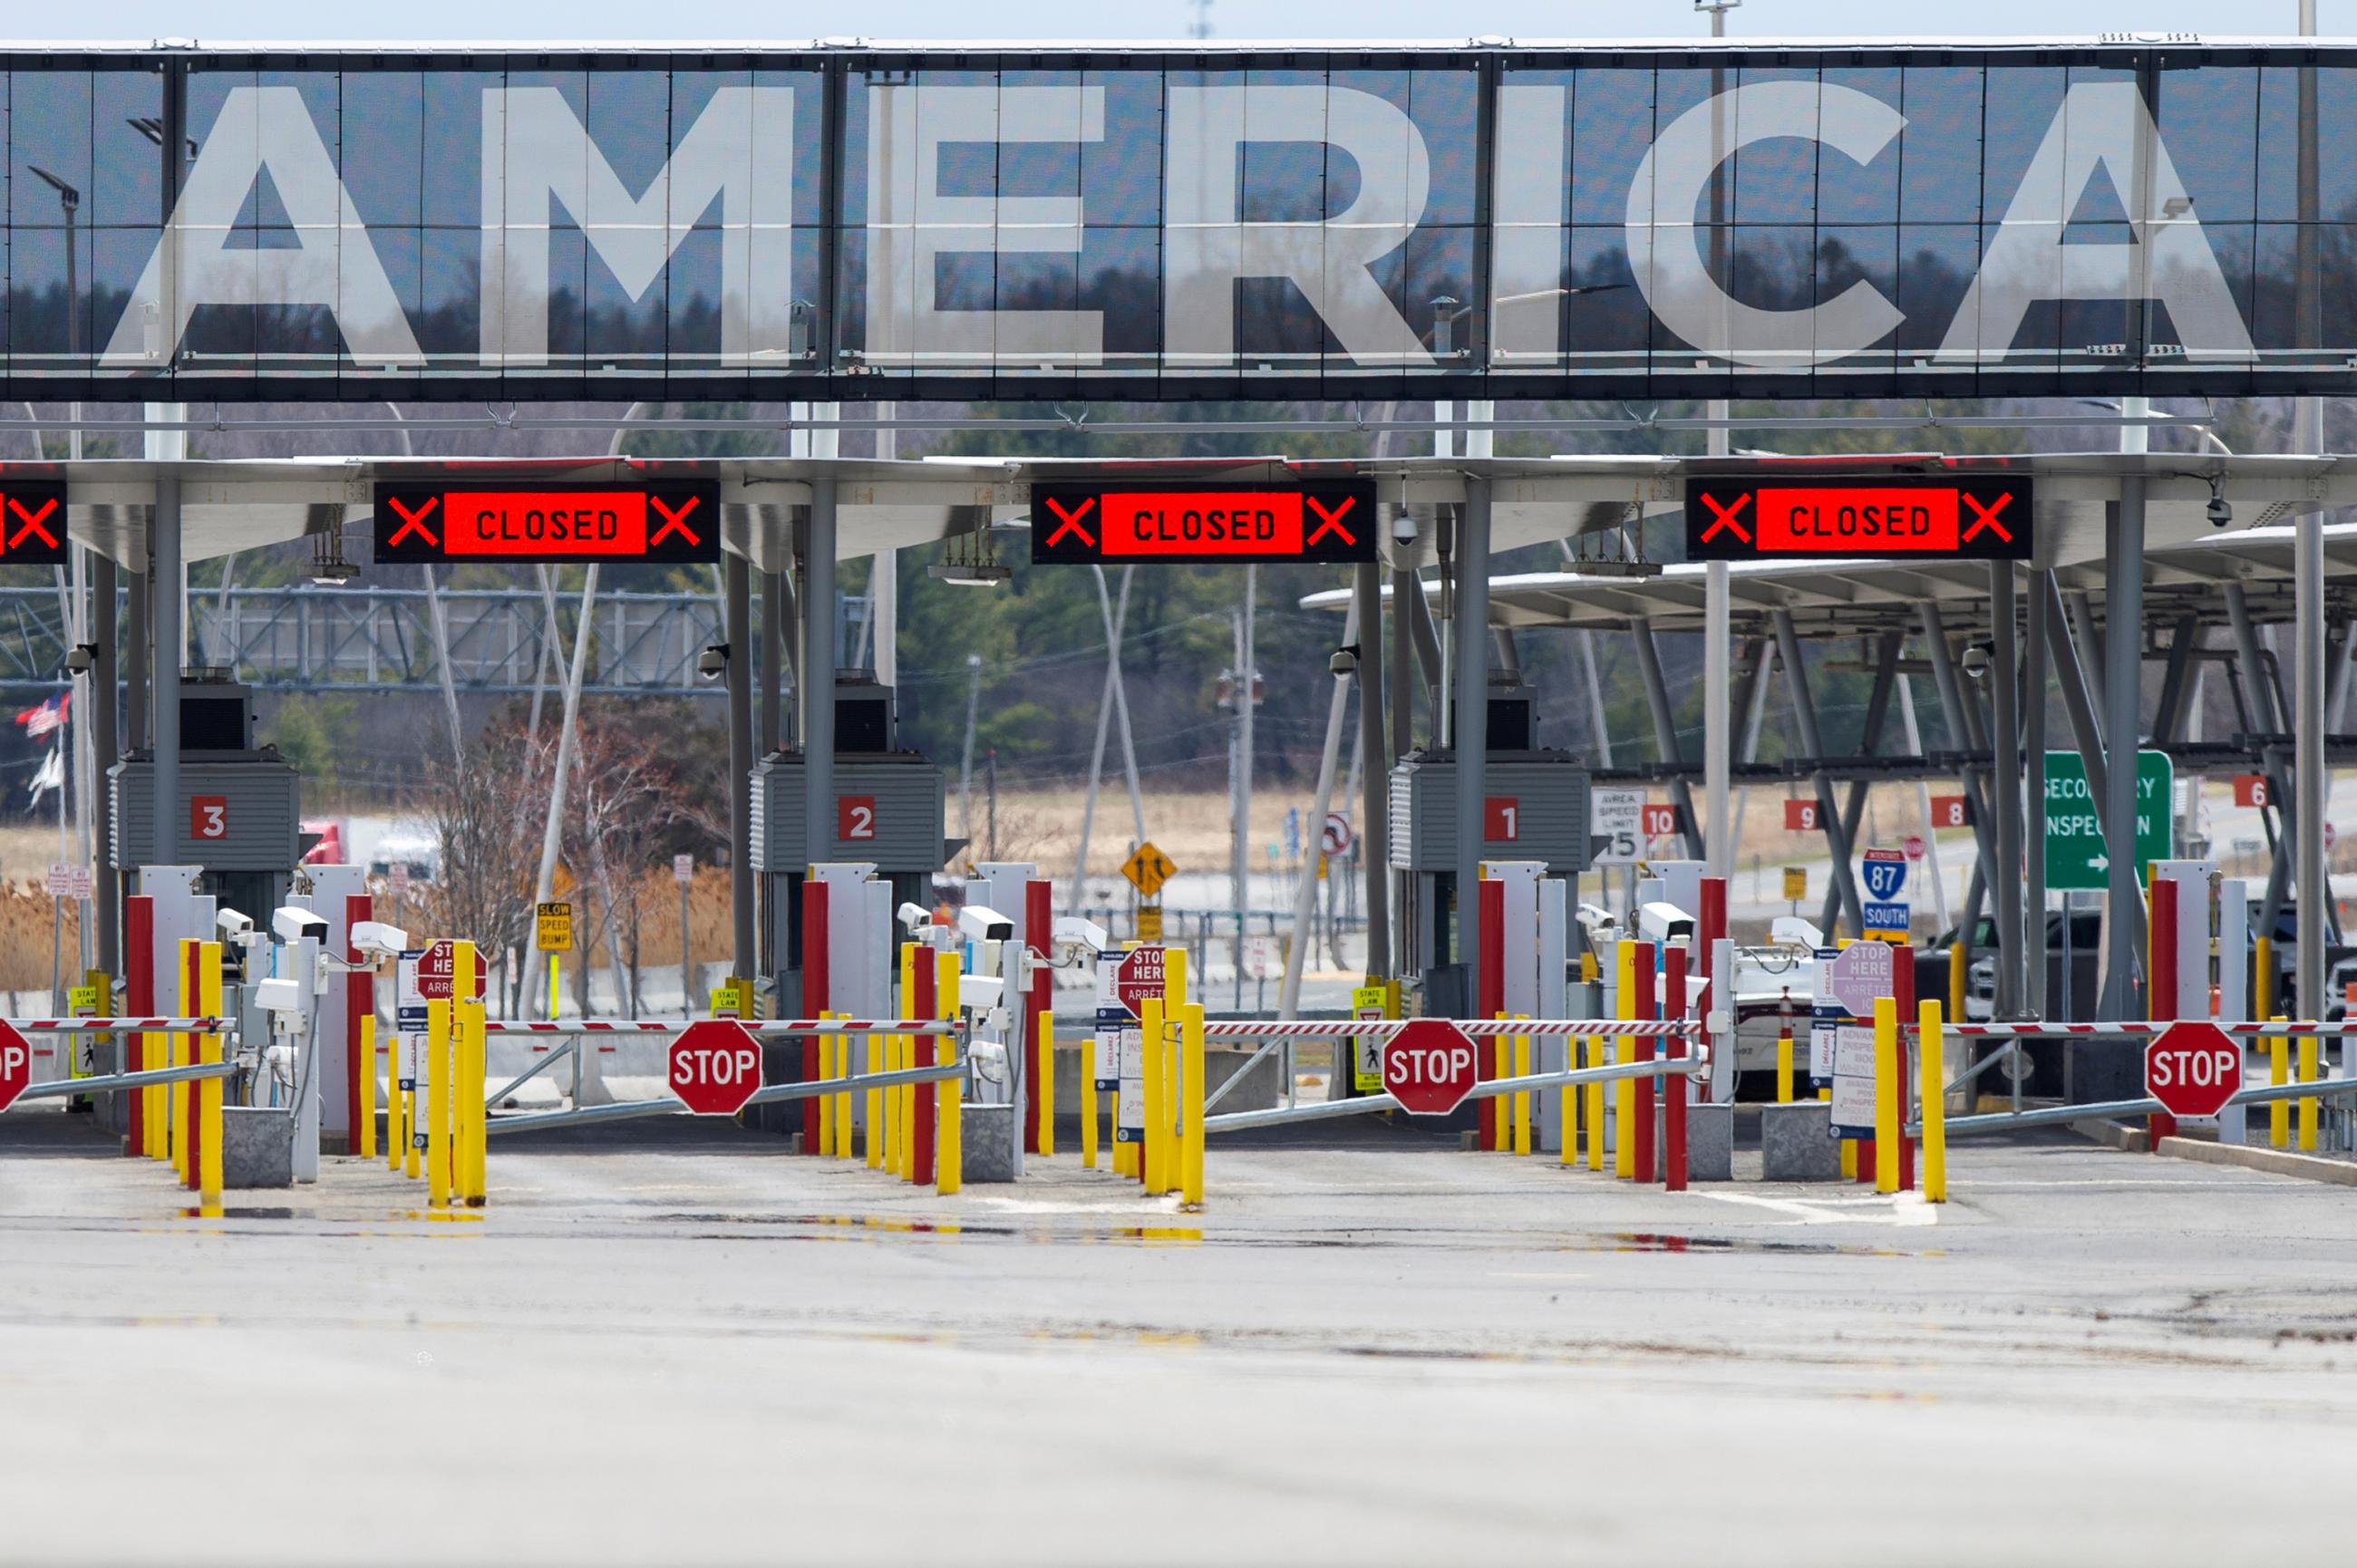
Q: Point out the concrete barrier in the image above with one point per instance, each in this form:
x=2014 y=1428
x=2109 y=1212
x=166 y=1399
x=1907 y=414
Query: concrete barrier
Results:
x=1796 y=1143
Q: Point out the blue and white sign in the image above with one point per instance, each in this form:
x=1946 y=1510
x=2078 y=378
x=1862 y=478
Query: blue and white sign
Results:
x=1886 y=875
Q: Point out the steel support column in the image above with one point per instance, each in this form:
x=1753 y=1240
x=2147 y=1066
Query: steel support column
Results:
x=2033 y=776
x=1666 y=735
x=2123 y=702
x=2309 y=784
x=1804 y=713
x=169 y=652
x=2176 y=680
x=103 y=697
x=1962 y=733
x=2004 y=791
x=737 y=591
x=1374 y=770
x=818 y=609
x=1717 y=717
x=1407 y=587
x=1878 y=713
x=773 y=656
x=2260 y=697
x=1472 y=705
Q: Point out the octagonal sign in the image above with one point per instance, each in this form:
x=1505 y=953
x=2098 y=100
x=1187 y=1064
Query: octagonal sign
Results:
x=714 y=1067
x=2193 y=1068
x=16 y=1064
x=1429 y=1067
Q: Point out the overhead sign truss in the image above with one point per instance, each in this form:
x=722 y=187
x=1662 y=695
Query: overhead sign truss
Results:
x=1906 y=517
x=658 y=522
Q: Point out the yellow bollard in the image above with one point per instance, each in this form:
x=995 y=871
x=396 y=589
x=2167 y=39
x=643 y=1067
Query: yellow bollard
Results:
x=1174 y=981
x=2279 y=1074
x=1849 y=1146
x=153 y=1141
x=2262 y=977
x=208 y=1108
x=1047 y=1085
x=1566 y=1110
x=876 y=1131
x=1955 y=980
x=469 y=1115
x=1784 y=1065
x=365 y=1147
x=1624 y=1090
x=1089 y=1105
x=438 y=1103
x=846 y=1065
x=1929 y=1050
x=183 y=1054
x=2311 y=1108
x=1191 y=1159
x=949 y=1147
x=396 y=1105
x=1886 y=1094
x=1522 y=1098
x=826 y=1101
x=1501 y=1065
x=1157 y=1117
x=1599 y=1051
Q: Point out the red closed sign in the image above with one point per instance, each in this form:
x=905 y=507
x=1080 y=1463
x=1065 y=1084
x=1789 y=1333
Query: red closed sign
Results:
x=1502 y=819
x=1429 y=1067
x=714 y=1067
x=1801 y=816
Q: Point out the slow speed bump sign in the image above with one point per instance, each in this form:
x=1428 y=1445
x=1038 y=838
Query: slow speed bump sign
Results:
x=714 y=1067
x=554 y=929
x=2193 y=1069
x=16 y=1064
x=1428 y=1066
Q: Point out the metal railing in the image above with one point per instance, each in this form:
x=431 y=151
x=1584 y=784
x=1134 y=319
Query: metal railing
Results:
x=1490 y=1088
x=776 y=1094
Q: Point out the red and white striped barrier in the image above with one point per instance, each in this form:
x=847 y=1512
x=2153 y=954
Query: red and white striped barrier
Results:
x=676 y=1026
x=115 y=1026
x=1478 y=1028
x=2129 y=1028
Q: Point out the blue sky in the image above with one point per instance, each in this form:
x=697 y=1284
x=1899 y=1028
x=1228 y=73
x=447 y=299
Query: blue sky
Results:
x=688 y=20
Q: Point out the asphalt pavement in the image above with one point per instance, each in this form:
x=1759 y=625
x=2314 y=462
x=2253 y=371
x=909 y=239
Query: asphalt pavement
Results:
x=676 y=1342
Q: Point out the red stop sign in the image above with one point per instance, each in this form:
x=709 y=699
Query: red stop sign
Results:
x=2193 y=1069
x=716 y=1066
x=16 y=1064
x=1428 y=1066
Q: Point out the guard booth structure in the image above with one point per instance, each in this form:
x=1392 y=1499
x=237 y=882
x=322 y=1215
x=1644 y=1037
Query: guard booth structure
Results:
x=241 y=819
x=887 y=815
x=1535 y=811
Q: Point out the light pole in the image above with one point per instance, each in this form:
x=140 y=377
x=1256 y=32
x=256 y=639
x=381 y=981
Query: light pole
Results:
x=70 y=200
x=1718 y=629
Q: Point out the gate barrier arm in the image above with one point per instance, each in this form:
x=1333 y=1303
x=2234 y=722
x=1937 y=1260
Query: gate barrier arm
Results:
x=761 y=1026
x=2055 y=1115
x=1323 y=1110
x=64 y=1088
x=630 y=1110
x=116 y=1027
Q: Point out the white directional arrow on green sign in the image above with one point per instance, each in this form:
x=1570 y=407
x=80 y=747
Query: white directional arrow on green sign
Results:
x=2075 y=852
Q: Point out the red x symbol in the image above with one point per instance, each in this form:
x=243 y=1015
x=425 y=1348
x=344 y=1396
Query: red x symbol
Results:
x=1070 y=521
x=672 y=522
x=1329 y=521
x=33 y=521
x=412 y=522
x=1985 y=517
x=1723 y=517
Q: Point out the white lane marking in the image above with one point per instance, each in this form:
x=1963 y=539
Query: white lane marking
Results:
x=1897 y=1209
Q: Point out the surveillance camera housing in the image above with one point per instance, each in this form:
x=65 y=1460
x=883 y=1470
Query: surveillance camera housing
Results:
x=80 y=656
x=377 y=940
x=914 y=917
x=232 y=923
x=282 y=997
x=2220 y=512
x=1345 y=661
x=292 y=925
x=1663 y=922
x=1976 y=663
x=712 y=662
x=983 y=924
x=1073 y=932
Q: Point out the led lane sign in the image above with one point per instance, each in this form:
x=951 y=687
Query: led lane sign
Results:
x=665 y=522
x=32 y=522
x=1892 y=516
x=1330 y=520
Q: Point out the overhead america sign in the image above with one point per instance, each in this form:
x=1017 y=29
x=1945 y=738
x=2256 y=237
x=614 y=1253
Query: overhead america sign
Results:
x=1340 y=224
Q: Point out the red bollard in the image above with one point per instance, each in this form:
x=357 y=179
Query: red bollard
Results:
x=1902 y=991
x=1676 y=1091
x=814 y=988
x=1038 y=935
x=924 y=1003
x=139 y=996
x=2162 y=1000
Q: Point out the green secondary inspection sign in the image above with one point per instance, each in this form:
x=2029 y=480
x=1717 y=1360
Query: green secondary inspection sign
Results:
x=2076 y=860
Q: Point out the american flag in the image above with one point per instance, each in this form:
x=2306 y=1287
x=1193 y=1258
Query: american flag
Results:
x=48 y=717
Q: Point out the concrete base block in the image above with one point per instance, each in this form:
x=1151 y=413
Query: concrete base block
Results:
x=1710 y=1141
x=1796 y=1143
x=988 y=1139
x=257 y=1148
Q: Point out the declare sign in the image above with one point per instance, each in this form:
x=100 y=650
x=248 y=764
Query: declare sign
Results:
x=1087 y=525
x=668 y=521
x=1978 y=518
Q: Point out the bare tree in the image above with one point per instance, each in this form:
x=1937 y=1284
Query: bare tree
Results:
x=619 y=806
x=483 y=891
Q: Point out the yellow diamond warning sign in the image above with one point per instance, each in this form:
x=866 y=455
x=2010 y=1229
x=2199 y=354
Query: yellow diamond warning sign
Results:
x=1149 y=869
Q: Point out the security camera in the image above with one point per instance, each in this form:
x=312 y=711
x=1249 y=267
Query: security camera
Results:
x=2220 y=513
x=1071 y=931
x=1403 y=526
x=982 y=924
x=1976 y=663
x=1792 y=932
x=915 y=918
x=292 y=925
x=282 y=997
x=232 y=923
x=712 y=662
x=1345 y=661
x=1662 y=922
x=80 y=656
x=376 y=939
